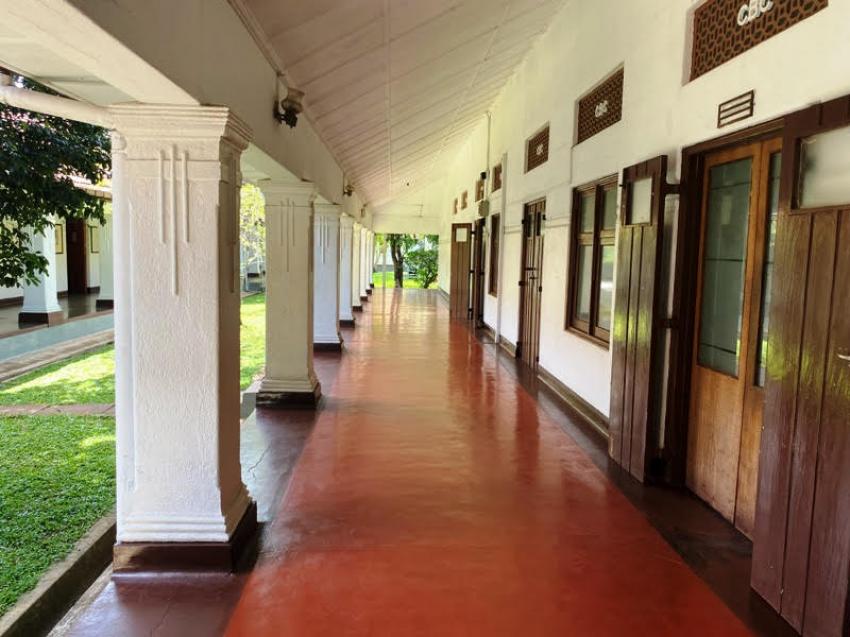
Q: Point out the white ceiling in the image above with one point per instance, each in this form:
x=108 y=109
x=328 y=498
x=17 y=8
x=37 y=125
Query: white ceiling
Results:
x=393 y=85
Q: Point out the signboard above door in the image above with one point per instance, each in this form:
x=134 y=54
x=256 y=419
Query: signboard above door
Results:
x=723 y=29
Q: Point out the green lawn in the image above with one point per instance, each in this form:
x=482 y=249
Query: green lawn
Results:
x=57 y=473
x=409 y=283
x=90 y=378
x=57 y=478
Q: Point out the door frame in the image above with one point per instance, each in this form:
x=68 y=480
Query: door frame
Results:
x=685 y=289
x=523 y=294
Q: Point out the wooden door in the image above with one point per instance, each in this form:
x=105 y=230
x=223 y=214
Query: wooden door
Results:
x=478 y=274
x=634 y=338
x=739 y=207
x=76 y=256
x=801 y=548
x=531 y=284
x=461 y=255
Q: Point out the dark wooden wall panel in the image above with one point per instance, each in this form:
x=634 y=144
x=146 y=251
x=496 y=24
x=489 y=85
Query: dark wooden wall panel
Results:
x=826 y=608
x=619 y=343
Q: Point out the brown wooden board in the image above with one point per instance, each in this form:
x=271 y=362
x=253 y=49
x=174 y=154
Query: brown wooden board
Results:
x=461 y=255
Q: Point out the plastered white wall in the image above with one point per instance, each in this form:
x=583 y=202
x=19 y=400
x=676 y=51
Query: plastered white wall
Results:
x=661 y=114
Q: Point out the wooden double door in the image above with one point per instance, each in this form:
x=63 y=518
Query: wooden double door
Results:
x=730 y=348
x=531 y=282
x=478 y=271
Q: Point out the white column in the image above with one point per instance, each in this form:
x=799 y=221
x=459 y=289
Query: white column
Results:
x=364 y=264
x=326 y=277
x=346 y=242
x=370 y=261
x=290 y=378
x=356 y=269
x=176 y=186
x=41 y=302
x=105 y=299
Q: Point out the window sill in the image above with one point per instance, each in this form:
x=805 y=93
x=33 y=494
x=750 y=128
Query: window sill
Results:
x=589 y=337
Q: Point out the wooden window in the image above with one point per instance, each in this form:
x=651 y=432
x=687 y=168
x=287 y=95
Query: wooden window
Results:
x=94 y=239
x=59 y=229
x=493 y=286
x=497 y=177
x=592 y=259
x=464 y=200
x=455 y=207
x=479 y=190
x=537 y=150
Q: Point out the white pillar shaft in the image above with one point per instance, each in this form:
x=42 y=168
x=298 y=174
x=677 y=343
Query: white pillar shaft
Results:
x=175 y=203
x=326 y=276
x=346 y=240
x=364 y=261
x=42 y=298
x=289 y=293
x=356 y=270
x=106 y=295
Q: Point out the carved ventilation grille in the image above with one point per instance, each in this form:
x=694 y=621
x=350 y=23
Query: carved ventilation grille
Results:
x=601 y=108
x=479 y=190
x=718 y=37
x=464 y=200
x=455 y=208
x=537 y=150
x=497 y=177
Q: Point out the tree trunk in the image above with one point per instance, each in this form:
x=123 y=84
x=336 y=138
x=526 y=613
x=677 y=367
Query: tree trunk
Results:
x=398 y=272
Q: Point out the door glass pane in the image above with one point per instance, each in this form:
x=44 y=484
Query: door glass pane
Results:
x=606 y=287
x=609 y=213
x=724 y=256
x=641 y=202
x=583 y=279
x=588 y=204
x=767 y=275
x=824 y=166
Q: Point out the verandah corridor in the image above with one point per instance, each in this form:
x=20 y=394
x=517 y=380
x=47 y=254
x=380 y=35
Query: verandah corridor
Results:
x=434 y=496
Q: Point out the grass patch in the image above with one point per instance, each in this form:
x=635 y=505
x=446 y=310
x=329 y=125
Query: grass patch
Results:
x=82 y=380
x=88 y=379
x=57 y=478
x=253 y=339
x=409 y=283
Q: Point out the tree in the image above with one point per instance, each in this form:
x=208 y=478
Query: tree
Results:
x=40 y=155
x=424 y=258
x=252 y=225
x=399 y=246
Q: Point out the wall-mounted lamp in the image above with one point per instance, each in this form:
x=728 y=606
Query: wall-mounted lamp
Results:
x=483 y=175
x=287 y=108
x=348 y=190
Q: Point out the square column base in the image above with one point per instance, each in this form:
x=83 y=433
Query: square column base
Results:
x=364 y=298
x=214 y=557
x=104 y=304
x=346 y=322
x=356 y=308
x=369 y=291
x=26 y=319
x=328 y=346
x=290 y=399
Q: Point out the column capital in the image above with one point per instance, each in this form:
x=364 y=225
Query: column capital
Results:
x=346 y=221
x=302 y=193
x=358 y=226
x=328 y=209
x=167 y=125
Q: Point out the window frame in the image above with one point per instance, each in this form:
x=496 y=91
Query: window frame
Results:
x=493 y=257
x=497 y=177
x=597 y=239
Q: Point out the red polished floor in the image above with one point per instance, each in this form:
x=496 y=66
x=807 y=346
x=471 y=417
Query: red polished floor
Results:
x=433 y=497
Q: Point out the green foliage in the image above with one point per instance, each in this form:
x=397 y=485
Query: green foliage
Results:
x=424 y=258
x=403 y=246
x=40 y=154
x=57 y=478
x=252 y=224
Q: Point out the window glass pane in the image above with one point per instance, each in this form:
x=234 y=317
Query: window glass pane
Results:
x=587 y=211
x=724 y=256
x=641 y=203
x=767 y=274
x=609 y=213
x=606 y=287
x=584 y=281
x=824 y=166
